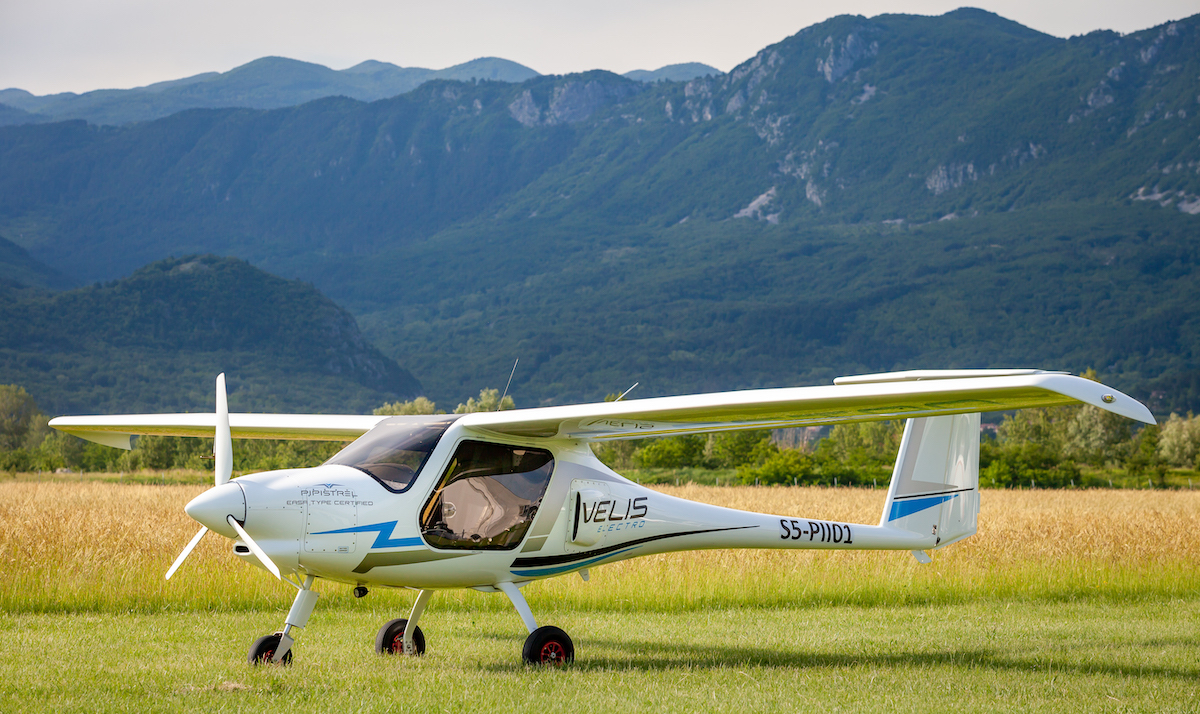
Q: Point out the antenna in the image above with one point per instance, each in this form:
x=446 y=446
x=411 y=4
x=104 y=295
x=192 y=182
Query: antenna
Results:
x=507 y=384
x=627 y=391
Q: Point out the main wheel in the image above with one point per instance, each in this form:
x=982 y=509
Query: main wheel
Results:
x=548 y=645
x=263 y=650
x=390 y=639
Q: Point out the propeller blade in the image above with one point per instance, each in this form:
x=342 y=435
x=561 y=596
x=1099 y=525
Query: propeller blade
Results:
x=186 y=551
x=258 y=552
x=222 y=440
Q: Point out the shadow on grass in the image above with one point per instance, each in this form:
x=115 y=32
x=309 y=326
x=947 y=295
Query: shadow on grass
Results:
x=659 y=656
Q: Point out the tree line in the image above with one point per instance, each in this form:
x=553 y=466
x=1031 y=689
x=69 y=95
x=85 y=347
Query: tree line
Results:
x=1053 y=447
x=28 y=444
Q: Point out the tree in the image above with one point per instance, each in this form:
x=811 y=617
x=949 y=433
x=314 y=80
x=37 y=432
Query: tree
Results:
x=731 y=449
x=420 y=405
x=1179 y=441
x=672 y=452
x=872 y=443
x=1044 y=426
x=1023 y=464
x=784 y=466
x=1096 y=436
x=19 y=417
x=489 y=401
x=1143 y=459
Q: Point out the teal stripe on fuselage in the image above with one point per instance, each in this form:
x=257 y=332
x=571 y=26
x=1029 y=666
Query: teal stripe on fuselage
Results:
x=537 y=572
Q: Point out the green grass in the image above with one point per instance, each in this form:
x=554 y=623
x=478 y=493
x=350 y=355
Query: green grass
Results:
x=1082 y=656
x=1065 y=600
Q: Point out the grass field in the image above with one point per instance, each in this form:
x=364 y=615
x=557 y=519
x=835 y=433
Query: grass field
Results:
x=1066 y=600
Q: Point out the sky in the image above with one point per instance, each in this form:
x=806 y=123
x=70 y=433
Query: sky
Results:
x=49 y=46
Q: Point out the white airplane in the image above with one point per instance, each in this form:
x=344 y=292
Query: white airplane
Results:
x=494 y=501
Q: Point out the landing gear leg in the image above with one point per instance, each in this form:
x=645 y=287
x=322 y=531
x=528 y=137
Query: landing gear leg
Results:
x=545 y=645
x=277 y=648
x=403 y=636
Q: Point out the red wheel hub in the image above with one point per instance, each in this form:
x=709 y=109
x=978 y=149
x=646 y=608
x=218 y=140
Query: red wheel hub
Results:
x=552 y=653
x=398 y=642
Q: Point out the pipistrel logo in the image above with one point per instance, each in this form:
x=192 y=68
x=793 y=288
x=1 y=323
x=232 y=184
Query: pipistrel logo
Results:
x=327 y=490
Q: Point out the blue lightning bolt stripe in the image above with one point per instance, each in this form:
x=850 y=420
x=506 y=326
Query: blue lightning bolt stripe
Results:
x=381 y=539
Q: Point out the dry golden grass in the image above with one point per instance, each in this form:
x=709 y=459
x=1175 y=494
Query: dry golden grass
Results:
x=93 y=545
x=102 y=546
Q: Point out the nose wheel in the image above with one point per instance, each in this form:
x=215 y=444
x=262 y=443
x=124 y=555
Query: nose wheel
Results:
x=263 y=650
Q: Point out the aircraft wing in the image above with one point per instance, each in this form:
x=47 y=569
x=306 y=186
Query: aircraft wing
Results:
x=877 y=397
x=115 y=430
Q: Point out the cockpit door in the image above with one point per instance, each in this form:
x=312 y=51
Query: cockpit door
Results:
x=488 y=496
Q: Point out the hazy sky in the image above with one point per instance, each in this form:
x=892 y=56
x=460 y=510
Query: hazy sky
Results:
x=78 y=45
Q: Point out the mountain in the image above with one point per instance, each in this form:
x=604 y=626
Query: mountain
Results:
x=267 y=83
x=868 y=194
x=154 y=341
x=12 y=115
x=673 y=72
x=19 y=270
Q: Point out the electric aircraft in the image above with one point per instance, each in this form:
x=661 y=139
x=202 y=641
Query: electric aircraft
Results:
x=494 y=501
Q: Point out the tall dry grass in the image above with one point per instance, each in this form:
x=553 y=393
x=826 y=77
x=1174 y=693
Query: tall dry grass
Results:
x=105 y=547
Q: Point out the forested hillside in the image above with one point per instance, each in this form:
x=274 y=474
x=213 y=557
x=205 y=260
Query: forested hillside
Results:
x=868 y=194
x=156 y=340
x=18 y=269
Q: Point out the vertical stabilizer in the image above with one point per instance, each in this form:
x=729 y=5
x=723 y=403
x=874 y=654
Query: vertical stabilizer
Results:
x=935 y=484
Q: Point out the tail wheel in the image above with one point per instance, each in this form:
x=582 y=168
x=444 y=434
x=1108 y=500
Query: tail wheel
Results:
x=548 y=645
x=263 y=651
x=390 y=639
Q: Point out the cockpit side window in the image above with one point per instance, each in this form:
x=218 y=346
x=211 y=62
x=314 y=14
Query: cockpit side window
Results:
x=488 y=497
x=395 y=450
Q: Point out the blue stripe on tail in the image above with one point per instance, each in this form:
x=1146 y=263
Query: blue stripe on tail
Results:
x=900 y=509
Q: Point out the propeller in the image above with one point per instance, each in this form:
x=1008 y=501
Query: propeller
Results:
x=223 y=470
x=223 y=439
x=186 y=551
x=258 y=552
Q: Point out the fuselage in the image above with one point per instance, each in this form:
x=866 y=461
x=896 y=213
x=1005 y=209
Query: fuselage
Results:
x=458 y=507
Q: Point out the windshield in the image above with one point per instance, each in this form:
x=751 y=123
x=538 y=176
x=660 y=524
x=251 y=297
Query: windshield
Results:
x=396 y=449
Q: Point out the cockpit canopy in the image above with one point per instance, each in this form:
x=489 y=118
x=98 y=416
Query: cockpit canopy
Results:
x=395 y=450
x=488 y=494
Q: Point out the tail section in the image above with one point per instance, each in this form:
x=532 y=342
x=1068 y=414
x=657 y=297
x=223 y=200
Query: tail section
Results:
x=935 y=484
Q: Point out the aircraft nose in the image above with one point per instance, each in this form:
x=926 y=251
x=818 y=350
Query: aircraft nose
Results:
x=213 y=506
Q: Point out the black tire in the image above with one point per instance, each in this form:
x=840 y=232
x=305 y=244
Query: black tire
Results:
x=264 y=648
x=550 y=646
x=390 y=639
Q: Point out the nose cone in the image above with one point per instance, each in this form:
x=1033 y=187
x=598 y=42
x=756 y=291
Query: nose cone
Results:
x=212 y=507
